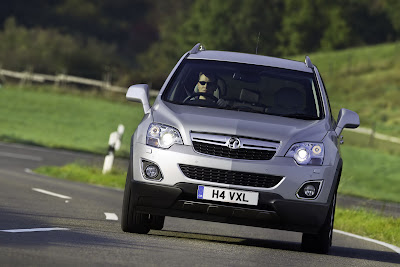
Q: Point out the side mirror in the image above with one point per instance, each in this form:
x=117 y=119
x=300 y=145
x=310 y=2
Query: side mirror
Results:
x=139 y=93
x=347 y=119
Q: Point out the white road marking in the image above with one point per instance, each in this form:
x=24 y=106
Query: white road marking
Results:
x=50 y=193
x=390 y=246
x=20 y=156
x=111 y=216
x=34 y=230
x=27 y=170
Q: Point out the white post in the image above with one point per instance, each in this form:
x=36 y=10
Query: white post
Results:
x=114 y=143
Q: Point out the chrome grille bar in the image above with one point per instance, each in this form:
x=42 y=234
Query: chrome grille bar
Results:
x=248 y=148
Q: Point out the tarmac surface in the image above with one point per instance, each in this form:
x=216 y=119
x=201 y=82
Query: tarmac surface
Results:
x=55 y=222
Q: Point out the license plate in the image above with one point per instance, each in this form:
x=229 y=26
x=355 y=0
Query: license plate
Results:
x=227 y=195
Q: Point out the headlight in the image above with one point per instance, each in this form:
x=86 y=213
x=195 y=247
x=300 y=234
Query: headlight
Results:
x=307 y=153
x=159 y=135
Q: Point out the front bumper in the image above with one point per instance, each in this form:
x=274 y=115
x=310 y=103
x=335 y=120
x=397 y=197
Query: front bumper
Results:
x=294 y=176
x=272 y=210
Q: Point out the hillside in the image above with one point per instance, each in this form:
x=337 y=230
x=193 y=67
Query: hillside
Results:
x=366 y=80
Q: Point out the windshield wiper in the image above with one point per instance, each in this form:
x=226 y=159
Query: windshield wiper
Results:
x=300 y=116
x=244 y=109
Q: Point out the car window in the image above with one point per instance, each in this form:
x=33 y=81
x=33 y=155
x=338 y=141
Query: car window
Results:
x=246 y=88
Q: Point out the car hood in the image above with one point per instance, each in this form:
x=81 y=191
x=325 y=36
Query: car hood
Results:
x=238 y=123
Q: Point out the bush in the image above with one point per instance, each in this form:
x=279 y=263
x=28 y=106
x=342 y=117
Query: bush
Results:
x=52 y=52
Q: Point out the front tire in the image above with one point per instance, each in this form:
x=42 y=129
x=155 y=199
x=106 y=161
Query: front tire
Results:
x=322 y=241
x=157 y=222
x=132 y=221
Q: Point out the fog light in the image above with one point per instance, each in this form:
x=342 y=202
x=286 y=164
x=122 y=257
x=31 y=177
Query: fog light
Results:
x=151 y=171
x=309 y=190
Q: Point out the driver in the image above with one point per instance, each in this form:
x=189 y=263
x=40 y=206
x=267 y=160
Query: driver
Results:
x=206 y=90
x=207 y=84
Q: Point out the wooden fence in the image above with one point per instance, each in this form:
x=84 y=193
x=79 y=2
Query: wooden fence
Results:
x=61 y=79
x=106 y=85
x=373 y=134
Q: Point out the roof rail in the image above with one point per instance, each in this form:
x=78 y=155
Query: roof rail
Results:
x=197 y=48
x=308 y=62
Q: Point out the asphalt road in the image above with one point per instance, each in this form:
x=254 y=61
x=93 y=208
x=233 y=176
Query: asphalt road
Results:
x=47 y=222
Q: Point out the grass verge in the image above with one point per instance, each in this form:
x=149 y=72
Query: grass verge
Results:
x=59 y=120
x=85 y=174
x=369 y=224
x=361 y=222
x=370 y=174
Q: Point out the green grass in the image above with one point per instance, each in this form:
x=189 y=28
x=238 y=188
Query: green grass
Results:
x=368 y=224
x=60 y=120
x=371 y=168
x=86 y=174
x=370 y=174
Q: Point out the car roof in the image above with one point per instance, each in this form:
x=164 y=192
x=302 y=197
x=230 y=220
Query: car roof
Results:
x=251 y=59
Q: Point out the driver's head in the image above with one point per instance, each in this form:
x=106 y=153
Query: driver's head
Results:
x=207 y=83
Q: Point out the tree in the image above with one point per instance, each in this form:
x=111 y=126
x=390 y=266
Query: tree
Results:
x=49 y=51
x=337 y=32
x=369 y=20
x=233 y=25
x=392 y=8
x=120 y=22
x=309 y=26
x=303 y=24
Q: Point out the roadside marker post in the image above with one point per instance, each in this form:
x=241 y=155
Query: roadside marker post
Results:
x=114 y=144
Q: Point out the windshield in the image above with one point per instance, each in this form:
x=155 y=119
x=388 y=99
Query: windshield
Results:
x=247 y=88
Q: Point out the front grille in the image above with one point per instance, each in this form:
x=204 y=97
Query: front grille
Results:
x=234 y=147
x=226 y=152
x=230 y=177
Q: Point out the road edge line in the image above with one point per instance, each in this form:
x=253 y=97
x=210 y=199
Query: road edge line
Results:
x=51 y=193
x=29 y=230
x=390 y=246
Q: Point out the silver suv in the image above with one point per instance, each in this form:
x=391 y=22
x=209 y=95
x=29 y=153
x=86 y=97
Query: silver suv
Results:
x=241 y=139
